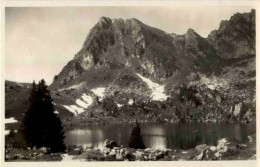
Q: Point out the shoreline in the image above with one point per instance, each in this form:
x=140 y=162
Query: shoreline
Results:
x=83 y=123
x=224 y=150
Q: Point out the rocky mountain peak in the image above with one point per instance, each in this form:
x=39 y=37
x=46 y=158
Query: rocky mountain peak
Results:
x=104 y=22
x=191 y=33
x=235 y=37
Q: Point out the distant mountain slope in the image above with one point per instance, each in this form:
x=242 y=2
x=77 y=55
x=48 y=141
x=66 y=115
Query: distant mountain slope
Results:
x=16 y=99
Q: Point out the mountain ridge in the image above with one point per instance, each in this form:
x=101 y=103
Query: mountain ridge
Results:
x=127 y=67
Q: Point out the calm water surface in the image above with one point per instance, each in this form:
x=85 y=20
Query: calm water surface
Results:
x=182 y=136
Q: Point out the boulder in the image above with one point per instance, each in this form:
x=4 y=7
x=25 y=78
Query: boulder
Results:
x=159 y=155
x=240 y=110
x=248 y=116
x=252 y=138
x=148 y=150
x=139 y=155
x=73 y=150
x=218 y=99
x=119 y=157
x=200 y=147
x=226 y=148
x=208 y=153
x=110 y=144
x=242 y=146
x=213 y=148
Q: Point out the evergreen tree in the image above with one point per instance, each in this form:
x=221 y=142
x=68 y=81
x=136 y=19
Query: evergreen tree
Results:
x=136 y=140
x=40 y=125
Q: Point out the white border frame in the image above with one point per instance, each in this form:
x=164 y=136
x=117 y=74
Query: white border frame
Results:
x=240 y=163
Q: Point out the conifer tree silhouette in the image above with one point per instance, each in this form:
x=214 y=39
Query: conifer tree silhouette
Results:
x=136 y=140
x=40 y=126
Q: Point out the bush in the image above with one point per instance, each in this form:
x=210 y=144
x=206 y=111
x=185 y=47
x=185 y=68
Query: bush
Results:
x=110 y=107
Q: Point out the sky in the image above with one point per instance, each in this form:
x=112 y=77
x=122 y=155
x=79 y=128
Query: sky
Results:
x=40 y=41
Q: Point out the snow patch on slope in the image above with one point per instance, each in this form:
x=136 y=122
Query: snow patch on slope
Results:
x=7 y=132
x=87 y=99
x=19 y=84
x=157 y=89
x=81 y=104
x=119 y=105
x=131 y=101
x=76 y=86
x=74 y=109
x=10 y=120
x=100 y=92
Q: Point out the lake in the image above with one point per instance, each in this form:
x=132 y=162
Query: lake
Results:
x=181 y=136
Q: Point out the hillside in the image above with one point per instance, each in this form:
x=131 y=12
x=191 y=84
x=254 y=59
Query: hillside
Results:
x=16 y=99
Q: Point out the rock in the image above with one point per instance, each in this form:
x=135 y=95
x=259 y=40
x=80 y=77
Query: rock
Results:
x=159 y=155
x=226 y=148
x=139 y=155
x=248 y=115
x=253 y=157
x=106 y=151
x=252 y=138
x=44 y=150
x=119 y=157
x=130 y=157
x=213 y=148
x=240 y=110
x=207 y=153
x=200 y=98
x=110 y=144
x=19 y=156
x=34 y=148
x=200 y=147
x=149 y=150
x=218 y=99
x=113 y=152
x=242 y=146
x=8 y=157
x=199 y=157
x=75 y=150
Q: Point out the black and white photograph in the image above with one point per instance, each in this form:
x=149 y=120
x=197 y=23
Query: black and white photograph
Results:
x=129 y=83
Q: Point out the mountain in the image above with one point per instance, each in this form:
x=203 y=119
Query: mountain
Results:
x=129 y=44
x=128 y=68
x=235 y=38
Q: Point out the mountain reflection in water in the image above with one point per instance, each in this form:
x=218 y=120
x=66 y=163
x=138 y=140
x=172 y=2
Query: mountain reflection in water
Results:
x=181 y=136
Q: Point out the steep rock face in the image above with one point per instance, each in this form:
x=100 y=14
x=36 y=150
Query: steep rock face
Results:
x=197 y=52
x=118 y=43
x=235 y=38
